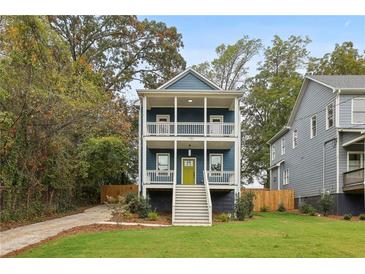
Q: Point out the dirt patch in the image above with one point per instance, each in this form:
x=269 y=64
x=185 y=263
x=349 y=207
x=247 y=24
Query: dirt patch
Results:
x=50 y=216
x=164 y=218
x=73 y=231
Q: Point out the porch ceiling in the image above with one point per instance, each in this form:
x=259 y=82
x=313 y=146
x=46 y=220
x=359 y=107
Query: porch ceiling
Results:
x=190 y=101
x=189 y=145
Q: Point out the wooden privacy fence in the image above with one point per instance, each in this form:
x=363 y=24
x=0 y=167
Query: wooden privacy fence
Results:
x=116 y=190
x=272 y=198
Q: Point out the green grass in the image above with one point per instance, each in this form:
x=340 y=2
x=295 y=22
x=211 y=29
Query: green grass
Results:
x=269 y=235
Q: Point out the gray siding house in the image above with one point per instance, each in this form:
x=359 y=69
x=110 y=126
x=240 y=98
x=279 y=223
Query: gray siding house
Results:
x=189 y=140
x=321 y=148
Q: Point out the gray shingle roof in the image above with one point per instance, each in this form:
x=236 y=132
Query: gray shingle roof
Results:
x=341 y=81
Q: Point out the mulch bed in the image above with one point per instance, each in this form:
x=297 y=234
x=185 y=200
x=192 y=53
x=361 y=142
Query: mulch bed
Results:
x=50 y=216
x=164 y=218
x=73 y=231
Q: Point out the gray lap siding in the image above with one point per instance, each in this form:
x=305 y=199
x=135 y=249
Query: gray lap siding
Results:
x=305 y=162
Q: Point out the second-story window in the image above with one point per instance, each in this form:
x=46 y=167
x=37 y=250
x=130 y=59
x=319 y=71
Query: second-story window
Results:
x=283 y=146
x=295 y=138
x=314 y=126
x=329 y=116
x=273 y=152
x=358 y=111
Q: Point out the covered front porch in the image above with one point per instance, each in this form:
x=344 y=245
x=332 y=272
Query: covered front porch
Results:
x=184 y=162
x=353 y=178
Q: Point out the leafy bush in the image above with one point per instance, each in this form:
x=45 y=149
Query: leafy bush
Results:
x=140 y=206
x=264 y=209
x=347 y=217
x=281 y=207
x=362 y=217
x=223 y=217
x=307 y=209
x=326 y=203
x=130 y=196
x=153 y=216
x=244 y=206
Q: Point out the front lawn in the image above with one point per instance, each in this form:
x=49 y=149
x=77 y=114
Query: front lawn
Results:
x=268 y=235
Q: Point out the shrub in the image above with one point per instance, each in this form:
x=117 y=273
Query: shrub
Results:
x=362 y=217
x=244 y=206
x=264 y=209
x=326 y=203
x=281 y=207
x=223 y=217
x=140 y=206
x=153 y=216
x=130 y=196
x=307 y=209
x=347 y=217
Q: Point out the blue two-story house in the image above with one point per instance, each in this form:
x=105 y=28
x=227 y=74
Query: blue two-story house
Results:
x=321 y=148
x=189 y=140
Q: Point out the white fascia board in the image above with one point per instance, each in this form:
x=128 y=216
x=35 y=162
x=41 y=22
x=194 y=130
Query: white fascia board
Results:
x=280 y=133
x=355 y=140
x=320 y=82
x=192 y=92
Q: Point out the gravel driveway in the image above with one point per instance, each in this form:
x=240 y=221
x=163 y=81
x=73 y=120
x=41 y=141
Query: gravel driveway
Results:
x=19 y=237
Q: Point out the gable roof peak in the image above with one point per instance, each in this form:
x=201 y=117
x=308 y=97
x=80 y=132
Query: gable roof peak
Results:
x=195 y=73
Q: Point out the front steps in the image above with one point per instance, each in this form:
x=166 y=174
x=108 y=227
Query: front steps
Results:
x=191 y=206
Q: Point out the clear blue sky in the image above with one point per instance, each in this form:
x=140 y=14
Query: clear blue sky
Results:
x=202 y=34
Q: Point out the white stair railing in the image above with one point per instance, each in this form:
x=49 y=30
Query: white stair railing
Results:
x=159 y=177
x=221 y=177
x=160 y=128
x=209 y=201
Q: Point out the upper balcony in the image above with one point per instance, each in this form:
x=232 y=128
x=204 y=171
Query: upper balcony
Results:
x=191 y=116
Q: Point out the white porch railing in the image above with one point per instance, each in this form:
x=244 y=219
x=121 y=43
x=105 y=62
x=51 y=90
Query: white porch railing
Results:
x=159 y=177
x=220 y=129
x=190 y=129
x=160 y=128
x=221 y=177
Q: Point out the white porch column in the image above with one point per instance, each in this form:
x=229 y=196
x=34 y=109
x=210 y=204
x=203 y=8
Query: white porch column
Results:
x=175 y=162
x=175 y=117
x=144 y=116
x=144 y=164
x=205 y=116
x=236 y=117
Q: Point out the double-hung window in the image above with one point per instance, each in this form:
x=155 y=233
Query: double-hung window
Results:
x=283 y=146
x=286 y=177
x=355 y=160
x=216 y=164
x=358 y=111
x=163 y=163
x=273 y=153
x=330 y=116
x=295 y=138
x=313 y=126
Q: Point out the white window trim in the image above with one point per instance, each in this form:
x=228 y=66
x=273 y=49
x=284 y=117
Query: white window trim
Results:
x=159 y=116
x=168 y=162
x=210 y=163
x=273 y=153
x=282 y=146
x=361 y=158
x=293 y=137
x=333 y=116
x=311 y=126
x=352 y=111
x=286 y=177
x=211 y=117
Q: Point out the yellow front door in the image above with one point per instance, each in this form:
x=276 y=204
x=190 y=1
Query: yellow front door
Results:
x=188 y=165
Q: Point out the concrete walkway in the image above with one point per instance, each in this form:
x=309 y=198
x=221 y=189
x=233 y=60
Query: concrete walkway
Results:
x=19 y=237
